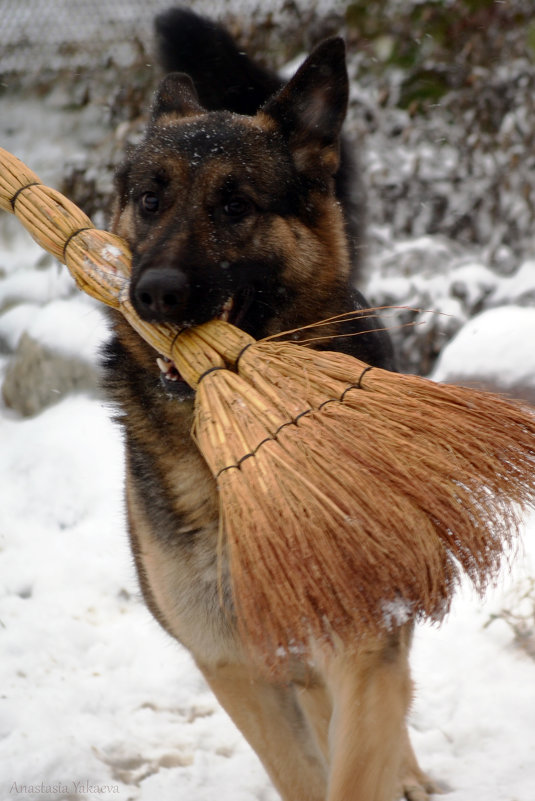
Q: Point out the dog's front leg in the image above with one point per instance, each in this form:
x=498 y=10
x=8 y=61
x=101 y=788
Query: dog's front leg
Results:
x=271 y=720
x=371 y=691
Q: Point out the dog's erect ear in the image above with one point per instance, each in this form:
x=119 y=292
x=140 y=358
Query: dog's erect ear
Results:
x=176 y=97
x=310 y=109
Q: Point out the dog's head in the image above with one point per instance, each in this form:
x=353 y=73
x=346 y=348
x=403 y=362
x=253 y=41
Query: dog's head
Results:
x=235 y=217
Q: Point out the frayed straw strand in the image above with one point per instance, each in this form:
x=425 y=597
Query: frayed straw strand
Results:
x=372 y=312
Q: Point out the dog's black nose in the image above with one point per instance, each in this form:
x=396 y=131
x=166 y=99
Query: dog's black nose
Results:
x=160 y=294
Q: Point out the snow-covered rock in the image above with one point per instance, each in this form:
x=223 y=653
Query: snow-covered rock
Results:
x=494 y=350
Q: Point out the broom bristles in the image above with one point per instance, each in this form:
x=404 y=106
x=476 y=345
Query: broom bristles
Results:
x=377 y=503
x=399 y=535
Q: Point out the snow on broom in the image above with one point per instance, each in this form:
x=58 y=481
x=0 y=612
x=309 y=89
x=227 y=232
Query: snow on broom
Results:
x=348 y=494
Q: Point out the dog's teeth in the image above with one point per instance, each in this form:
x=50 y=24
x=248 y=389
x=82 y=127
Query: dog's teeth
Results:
x=163 y=364
x=226 y=310
x=168 y=369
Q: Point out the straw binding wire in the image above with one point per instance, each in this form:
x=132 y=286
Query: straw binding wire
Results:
x=13 y=200
x=293 y=422
x=71 y=237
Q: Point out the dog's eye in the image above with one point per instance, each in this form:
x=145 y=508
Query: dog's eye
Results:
x=149 y=202
x=237 y=207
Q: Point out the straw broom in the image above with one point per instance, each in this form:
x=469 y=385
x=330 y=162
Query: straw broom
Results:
x=351 y=498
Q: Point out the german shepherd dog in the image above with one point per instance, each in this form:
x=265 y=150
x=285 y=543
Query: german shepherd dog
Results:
x=235 y=206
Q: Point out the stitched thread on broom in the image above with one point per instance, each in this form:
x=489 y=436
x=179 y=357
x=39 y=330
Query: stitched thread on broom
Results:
x=273 y=437
x=13 y=200
x=180 y=330
x=240 y=354
x=71 y=236
x=210 y=370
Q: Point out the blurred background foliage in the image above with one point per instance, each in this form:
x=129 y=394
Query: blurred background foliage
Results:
x=441 y=118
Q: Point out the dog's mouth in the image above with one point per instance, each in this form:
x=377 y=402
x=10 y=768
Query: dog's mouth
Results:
x=233 y=310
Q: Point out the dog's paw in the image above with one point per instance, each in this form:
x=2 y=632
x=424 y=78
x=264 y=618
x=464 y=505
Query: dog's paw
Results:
x=416 y=786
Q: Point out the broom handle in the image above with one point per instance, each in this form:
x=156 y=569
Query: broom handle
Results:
x=100 y=263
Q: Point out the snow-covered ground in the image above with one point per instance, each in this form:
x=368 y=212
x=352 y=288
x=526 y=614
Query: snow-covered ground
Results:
x=96 y=701
x=94 y=693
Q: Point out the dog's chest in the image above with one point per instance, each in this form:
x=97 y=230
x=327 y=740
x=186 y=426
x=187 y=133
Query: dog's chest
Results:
x=174 y=531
